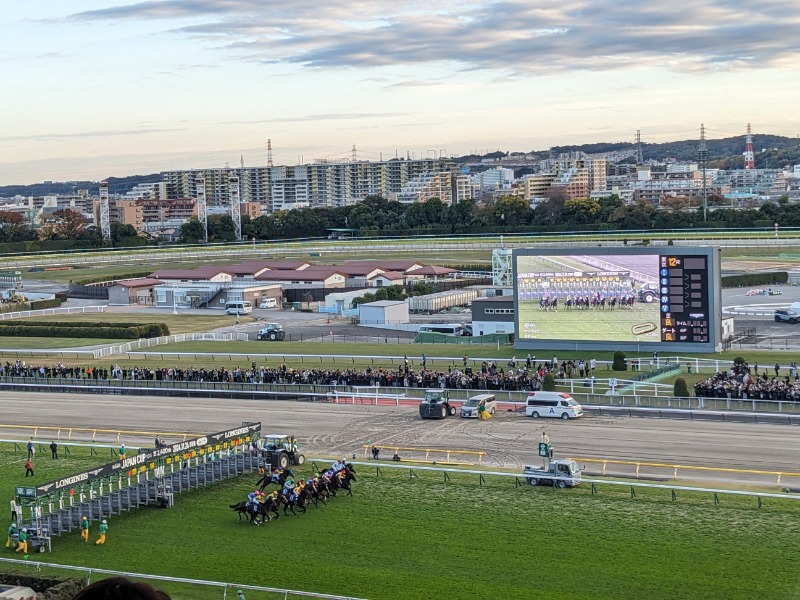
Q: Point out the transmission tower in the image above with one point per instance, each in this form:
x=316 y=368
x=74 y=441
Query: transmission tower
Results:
x=269 y=153
x=105 y=217
x=639 y=159
x=354 y=154
x=236 y=208
x=749 y=156
x=202 y=215
x=702 y=158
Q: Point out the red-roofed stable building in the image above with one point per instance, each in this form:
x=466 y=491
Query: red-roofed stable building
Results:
x=132 y=291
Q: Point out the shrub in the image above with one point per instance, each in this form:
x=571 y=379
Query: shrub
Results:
x=40 y=304
x=739 y=360
x=680 y=389
x=548 y=383
x=753 y=279
x=619 y=363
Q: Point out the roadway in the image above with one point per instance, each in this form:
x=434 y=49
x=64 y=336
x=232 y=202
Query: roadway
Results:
x=510 y=439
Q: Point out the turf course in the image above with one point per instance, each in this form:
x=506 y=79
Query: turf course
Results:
x=424 y=538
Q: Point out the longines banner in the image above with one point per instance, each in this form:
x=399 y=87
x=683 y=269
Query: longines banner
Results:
x=143 y=461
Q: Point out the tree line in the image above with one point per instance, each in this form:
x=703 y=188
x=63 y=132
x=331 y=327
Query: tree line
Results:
x=377 y=216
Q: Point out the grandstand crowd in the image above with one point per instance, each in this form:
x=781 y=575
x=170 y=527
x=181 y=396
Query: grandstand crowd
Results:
x=743 y=382
x=515 y=375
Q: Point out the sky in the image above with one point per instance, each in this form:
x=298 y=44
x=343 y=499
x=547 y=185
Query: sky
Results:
x=97 y=88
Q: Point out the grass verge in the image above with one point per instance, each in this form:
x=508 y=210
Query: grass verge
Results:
x=425 y=538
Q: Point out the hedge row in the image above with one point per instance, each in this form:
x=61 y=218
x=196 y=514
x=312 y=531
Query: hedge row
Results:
x=125 y=331
x=41 y=304
x=105 y=278
x=148 y=329
x=116 y=333
x=752 y=279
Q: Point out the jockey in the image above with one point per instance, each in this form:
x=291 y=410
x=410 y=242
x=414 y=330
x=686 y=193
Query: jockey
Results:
x=260 y=497
x=251 y=498
x=288 y=487
x=276 y=475
x=338 y=465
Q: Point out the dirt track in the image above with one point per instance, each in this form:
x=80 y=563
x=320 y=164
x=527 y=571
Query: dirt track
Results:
x=510 y=439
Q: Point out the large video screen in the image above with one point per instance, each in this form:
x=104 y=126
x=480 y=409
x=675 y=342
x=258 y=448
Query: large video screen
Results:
x=623 y=295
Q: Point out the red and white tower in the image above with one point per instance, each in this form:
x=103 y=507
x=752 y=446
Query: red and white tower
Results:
x=749 y=157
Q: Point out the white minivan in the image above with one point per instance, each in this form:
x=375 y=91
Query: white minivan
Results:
x=268 y=303
x=239 y=307
x=552 y=404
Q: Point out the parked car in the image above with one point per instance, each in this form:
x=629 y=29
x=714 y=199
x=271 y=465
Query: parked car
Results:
x=268 y=303
x=786 y=316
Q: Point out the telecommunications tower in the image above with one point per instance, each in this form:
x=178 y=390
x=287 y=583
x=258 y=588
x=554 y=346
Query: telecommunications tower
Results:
x=202 y=215
x=236 y=207
x=639 y=158
x=105 y=218
x=749 y=157
x=702 y=158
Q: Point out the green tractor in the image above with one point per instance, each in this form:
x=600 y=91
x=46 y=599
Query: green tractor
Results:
x=281 y=451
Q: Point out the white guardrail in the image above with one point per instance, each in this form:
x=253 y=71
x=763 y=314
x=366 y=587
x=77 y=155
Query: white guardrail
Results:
x=633 y=484
x=286 y=593
x=22 y=314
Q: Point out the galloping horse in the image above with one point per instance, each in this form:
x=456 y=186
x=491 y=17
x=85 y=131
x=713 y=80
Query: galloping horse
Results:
x=269 y=477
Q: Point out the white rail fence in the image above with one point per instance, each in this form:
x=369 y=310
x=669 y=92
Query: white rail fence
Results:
x=593 y=482
x=23 y=314
x=224 y=587
x=169 y=339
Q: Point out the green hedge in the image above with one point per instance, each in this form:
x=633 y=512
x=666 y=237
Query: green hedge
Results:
x=40 y=304
x=102 y=278
x=83 y=329
x=751 y=279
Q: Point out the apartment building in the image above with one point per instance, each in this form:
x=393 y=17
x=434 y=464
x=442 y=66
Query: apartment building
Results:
x=322 y=183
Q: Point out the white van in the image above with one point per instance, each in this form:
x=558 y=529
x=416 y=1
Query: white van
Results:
x=552 y=404
x=268 y=303
x=239 y=307
x=470 y=408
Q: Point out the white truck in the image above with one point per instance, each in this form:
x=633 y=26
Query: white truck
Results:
x=559 y=473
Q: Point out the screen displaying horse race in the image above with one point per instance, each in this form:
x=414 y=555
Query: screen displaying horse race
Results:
x=630 y=296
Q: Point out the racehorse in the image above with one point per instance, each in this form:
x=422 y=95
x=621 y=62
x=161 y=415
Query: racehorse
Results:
x=291 y=501
x=312 y=493
x=269 y=477
x=241 y=508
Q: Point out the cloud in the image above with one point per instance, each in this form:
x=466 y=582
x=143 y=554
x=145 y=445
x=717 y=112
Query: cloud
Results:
x=321 y=117
x=50 y=137
x=514 y=37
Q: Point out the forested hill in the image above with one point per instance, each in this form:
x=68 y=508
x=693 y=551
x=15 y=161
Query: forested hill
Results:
x=771 y=151
x=116 y=185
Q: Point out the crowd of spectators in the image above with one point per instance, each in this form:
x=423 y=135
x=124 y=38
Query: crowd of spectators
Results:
x=525 y=374
x=741 y=381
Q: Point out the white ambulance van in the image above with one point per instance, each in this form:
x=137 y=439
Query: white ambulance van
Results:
x=552 y=404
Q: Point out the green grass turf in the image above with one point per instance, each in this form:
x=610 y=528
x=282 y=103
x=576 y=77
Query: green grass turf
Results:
x=423 y=538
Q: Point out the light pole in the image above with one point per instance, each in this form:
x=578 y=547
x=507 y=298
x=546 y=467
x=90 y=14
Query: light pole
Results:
x=174 y=300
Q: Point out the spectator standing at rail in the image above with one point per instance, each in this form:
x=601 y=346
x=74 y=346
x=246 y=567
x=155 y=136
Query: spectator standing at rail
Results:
x=28 y=468
x=466 y=358
x=592 y=365
x=424 y=360
x=31 y=449
x=122 y=452
x=777 y=369
x=54 y=449
x=240 y=595
x=13 y=504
